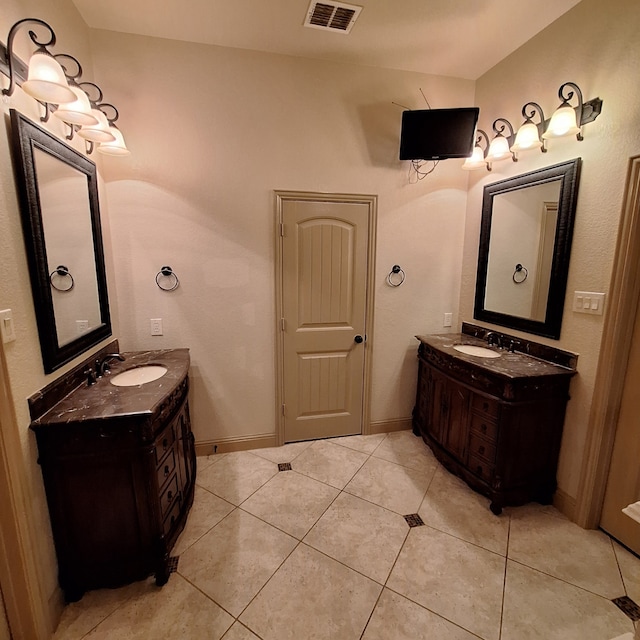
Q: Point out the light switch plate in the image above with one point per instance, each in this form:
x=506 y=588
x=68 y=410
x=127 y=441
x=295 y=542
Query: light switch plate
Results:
x=588 y=302
x=156 y=326
x=6 y=326
x=447 y=320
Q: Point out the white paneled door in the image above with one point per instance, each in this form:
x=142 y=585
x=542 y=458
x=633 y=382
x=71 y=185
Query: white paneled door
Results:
x=325 y=254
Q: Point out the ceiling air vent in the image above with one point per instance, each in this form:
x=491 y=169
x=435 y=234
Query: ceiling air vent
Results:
x=332 y=16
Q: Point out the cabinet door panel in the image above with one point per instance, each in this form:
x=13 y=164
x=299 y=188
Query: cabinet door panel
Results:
x=457 y=429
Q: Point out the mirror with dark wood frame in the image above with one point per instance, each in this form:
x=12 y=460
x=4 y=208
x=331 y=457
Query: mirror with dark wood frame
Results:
x=60 y=213
x=525 y=245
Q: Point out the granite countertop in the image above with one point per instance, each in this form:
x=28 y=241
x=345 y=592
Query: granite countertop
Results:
x=104 y=400
x=509 y=365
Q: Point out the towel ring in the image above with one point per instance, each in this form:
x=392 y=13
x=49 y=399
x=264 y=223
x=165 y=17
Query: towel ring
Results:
x=519 y=270
x=396 y=269
x=63 y=272
x=167 y=272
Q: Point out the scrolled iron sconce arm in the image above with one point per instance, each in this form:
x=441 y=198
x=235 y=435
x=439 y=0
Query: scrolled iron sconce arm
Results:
x=10 y=60
x=568 y=97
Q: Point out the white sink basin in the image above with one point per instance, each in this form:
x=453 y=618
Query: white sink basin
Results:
x=473 y=350
x=138 y=375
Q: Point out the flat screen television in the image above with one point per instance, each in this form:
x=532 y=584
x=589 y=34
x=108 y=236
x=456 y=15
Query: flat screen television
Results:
x=437 y=134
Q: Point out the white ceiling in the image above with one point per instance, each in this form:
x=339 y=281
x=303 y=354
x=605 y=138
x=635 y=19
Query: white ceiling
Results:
x=459 y=38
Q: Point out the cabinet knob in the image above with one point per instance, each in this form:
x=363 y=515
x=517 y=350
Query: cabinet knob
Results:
x=166 y=470
x=170 y=496
x=165 y=444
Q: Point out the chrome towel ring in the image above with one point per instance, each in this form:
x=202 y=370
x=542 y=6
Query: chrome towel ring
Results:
x=62 y=272
x=168 y=278
x=396 y=276
x=520 y=274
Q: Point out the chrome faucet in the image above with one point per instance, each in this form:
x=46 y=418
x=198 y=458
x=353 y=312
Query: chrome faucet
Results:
x=493 y=338
x=102 y=364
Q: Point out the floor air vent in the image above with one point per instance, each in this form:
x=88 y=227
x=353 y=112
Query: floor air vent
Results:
x=332 y=16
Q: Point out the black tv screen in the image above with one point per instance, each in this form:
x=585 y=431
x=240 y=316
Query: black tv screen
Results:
x=437 y=134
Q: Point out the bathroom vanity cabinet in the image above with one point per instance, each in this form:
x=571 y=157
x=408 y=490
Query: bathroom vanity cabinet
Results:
x=496 y=423
x=119 y=471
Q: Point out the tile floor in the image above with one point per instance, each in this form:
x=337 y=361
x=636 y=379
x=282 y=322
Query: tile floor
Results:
x=323 y=552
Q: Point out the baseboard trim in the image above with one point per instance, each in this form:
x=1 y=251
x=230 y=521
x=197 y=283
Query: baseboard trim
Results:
x=387 y=426
x=241 y=443
x=564 y=503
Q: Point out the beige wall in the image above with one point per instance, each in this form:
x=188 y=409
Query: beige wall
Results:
x=213 y=131
x=597 y=46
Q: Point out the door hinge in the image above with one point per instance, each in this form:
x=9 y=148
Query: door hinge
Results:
x=283 y=406
x=283 y=326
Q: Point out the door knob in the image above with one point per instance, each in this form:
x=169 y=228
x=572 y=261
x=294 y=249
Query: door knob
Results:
x=358 y=339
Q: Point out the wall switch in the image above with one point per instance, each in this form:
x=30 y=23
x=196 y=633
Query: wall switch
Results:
x=588 y=302
x=156 y=326
x=448 y=319
x=82 y=326
x=6 y=326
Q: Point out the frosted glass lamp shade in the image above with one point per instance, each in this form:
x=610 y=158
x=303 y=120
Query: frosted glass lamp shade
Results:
x=563 y=123
x=98 y=132
x=117 y=147
x=46 y=80
x=527 y=138
x=498 y=149
x=475 y=160
x=78 y=111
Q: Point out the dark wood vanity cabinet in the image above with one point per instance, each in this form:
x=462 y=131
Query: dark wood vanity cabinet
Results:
x=500 y=433
x=119 y=491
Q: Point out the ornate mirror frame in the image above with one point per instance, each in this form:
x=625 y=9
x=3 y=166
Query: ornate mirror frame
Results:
x=568 y=174
x=26 y=138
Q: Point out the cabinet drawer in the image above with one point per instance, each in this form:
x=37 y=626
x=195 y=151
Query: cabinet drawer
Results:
x=488 y=429
x=165 y=441
x=481 y=468
x=171 y=518
x=485 y=405
x=169 y=494
x=166 y=467
x=479 y=447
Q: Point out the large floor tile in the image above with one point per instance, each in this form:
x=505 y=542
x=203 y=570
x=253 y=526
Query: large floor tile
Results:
x=177 y=610
x=286 y=453
x=455 y=579
x=539 y=607
x=329 y=463
x=235 y=559
x=630 y=569
x=239 y=632
x=206 y=512
x=291 y=501
x=402 y=447
x=390 y=485
x=451 y=506
x=397 y=618
x=361 y=535
x=564 y=550
x=236 y=476
x=365 y=444
x=312 y=597
x=78 y=618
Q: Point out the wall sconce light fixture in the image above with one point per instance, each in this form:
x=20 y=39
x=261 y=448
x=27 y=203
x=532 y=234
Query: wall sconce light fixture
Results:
x=477 y=159
x=528 y=136
x=55 y=85
x=565 y=121
x=499 y=147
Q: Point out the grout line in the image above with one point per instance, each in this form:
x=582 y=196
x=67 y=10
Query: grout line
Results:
x=504 y=581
